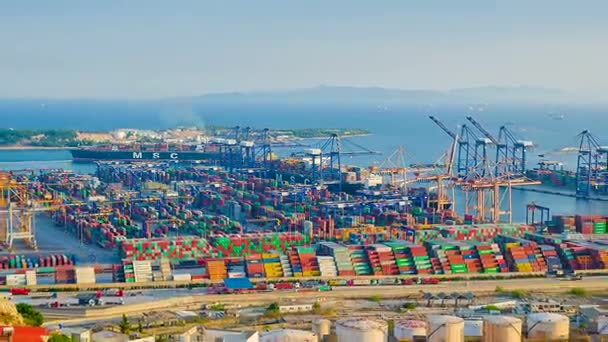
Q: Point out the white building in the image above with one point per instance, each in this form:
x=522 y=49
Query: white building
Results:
x=231 y=336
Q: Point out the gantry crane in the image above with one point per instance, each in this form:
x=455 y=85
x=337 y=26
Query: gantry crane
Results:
x=484 y=143
x=327 y=159
x=394 y=166
x=515 y=150
x=591 y=166
x=485 y=178
x=18 y=211
x=489 y=199
x=465 y=157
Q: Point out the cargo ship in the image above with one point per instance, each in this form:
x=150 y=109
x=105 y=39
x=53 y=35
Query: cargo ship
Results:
x=151 y=152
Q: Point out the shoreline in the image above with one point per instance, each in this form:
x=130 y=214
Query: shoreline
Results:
x=32 y=148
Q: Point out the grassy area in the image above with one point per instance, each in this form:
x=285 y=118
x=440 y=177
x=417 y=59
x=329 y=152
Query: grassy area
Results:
x=578 y=292
x=37 y=137
x=375 y=298
x=518 y=293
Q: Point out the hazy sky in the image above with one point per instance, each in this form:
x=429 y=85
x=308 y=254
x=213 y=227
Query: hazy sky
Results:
x=144 y=49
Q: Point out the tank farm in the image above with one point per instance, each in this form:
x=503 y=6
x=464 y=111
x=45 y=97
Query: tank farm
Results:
x=185 y=222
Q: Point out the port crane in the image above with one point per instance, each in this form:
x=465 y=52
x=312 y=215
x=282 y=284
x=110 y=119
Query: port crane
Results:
x=327 y=158
x=501 y=155
x=18 y=211
x=516 y=148
x=465 y=156
x=480 y=178
x=591 y=165
x=394 y=166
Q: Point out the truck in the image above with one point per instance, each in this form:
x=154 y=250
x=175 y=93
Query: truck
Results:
x=19 y=291
x=283 y=286
x=564 y=275
x=91 y=299
x=429 y=281
x=111 y=293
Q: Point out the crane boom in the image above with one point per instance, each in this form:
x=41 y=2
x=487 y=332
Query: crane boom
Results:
x=443 y=127
x=483 y=130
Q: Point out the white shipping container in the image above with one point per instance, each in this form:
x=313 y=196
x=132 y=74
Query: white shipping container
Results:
x=182 y=277
x=16 y=280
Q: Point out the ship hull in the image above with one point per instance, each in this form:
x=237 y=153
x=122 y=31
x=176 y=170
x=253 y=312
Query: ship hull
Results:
x=83 y=155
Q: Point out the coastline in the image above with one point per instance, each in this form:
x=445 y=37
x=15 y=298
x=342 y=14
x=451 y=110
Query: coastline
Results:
x=31 y=148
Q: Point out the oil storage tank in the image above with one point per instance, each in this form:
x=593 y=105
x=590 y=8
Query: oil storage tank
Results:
x=444 y=328
x=548 y=326
x=321 y=327
x=289 y=335
x=473 y=329
x=408 y=329
x=361 y=330
x=502 y=329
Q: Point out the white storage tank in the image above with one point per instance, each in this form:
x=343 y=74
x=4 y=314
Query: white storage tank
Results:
x=502 y=329
x=289 y=335
x=444 y=328
x=473 y=328
x=407 y=329
x=548 y=326
x=321 y=327
x=602 y=325
x=361 y=330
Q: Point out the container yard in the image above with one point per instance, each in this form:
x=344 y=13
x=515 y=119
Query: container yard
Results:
x=189 y=222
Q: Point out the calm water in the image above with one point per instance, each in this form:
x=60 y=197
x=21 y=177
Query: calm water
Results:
x=391 y=127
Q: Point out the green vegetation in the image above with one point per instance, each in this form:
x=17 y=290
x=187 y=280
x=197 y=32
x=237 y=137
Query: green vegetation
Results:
x=409 y=306
x=515 y=293
x=492 y=307
x=519 y=294
x=391 y=327
x=42 y=138
x=273 y=310
x=57 y=337
x=316 y=307
x=124 y=325
x=578 y=292
x=30 y=315
x=375 y=298
x=217 y=307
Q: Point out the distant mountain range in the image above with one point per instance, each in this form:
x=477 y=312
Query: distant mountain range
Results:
x=386 y=96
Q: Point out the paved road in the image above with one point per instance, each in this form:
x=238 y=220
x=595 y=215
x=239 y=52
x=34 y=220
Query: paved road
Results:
x=176 y=299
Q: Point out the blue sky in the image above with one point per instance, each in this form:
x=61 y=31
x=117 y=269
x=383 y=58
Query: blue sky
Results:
x=148 y=49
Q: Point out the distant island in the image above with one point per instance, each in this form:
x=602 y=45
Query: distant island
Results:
x=58 y=138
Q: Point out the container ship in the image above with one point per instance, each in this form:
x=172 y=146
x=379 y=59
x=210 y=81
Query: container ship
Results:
x=142 y=152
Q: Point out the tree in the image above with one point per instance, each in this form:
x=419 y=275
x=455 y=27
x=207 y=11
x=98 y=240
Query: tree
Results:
x=30 y=315
x=57 y=337
x=124 y=325
x=273 y=307
x=140 y=326
x=316 y=307
x=273 y=310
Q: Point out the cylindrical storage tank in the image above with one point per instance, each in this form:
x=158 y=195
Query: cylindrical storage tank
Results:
x=548 y=326
x=502 y=329
x=407 y=329
x=321 y=327
x=473 y=329
x=602 y=325
x=444 y=328
x=289 y=335
x=361 y=330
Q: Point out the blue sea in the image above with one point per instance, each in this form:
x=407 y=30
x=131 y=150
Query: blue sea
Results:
x=391 y=127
